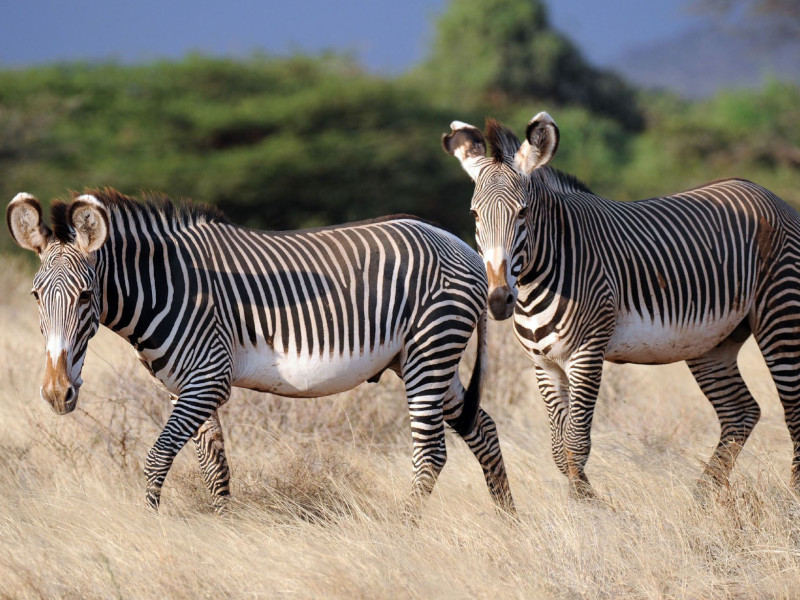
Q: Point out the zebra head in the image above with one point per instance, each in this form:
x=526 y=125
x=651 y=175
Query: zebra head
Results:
x=65 y=286
x=503 y=197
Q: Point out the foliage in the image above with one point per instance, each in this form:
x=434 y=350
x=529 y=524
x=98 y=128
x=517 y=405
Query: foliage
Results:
x=501 y=51
x=277 y=143
x=305 y=141
x=750 y=134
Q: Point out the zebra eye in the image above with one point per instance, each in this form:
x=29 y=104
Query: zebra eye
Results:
x=35 y=295
x=474 y=214
x=523 y=212
x=85 y=296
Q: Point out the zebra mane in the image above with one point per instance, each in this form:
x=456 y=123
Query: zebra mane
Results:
x=184 y=213
x=504 y=143
x=560 y=181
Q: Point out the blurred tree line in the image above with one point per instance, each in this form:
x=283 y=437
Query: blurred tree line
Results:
x=284 y=143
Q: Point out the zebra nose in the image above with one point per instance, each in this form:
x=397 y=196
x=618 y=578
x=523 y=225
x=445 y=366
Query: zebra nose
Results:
x=57 y=390
x=501 y=303
x=61 y=401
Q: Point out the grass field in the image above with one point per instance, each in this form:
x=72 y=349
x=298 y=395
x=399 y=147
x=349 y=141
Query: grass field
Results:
x=319 y=487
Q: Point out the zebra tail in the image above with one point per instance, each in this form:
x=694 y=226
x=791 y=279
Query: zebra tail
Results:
x=465 y=423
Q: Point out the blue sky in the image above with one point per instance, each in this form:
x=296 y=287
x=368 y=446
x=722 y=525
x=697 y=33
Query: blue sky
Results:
x=385 y=36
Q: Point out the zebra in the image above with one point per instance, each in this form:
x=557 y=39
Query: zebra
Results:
x=689 y=276
x=208 y=305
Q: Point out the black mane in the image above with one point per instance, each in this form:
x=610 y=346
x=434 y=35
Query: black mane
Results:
x=185 y=213
x=560 y=181
x=504 y=143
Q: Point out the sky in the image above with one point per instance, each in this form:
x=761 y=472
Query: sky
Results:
x=387 y=37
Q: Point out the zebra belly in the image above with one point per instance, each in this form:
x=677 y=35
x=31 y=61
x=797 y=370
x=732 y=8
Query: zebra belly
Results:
x=642 y=340
x=304 y=376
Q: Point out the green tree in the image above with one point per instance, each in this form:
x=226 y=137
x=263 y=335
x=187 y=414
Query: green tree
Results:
x=500 y=51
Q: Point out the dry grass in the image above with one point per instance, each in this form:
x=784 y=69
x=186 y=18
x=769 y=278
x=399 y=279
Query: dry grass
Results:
x=319 y=486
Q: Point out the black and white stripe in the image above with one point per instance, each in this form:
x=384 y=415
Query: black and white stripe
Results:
x=209 y=305
x=683 y=277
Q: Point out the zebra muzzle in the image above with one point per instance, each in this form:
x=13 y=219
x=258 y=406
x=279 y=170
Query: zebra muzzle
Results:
x=502 y=296
x=57 y=389
x=501 y=302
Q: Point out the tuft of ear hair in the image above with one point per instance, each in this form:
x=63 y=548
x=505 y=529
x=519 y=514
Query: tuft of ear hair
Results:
x=467 y=144
x=540 y=145
x=25 y=223
x=89 y=218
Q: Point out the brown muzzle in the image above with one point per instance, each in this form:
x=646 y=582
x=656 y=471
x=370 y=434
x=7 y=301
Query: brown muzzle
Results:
x=57 y=389
x=501 y=297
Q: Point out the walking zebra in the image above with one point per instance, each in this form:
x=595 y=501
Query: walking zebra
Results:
x=208 y=305
x=683 y=277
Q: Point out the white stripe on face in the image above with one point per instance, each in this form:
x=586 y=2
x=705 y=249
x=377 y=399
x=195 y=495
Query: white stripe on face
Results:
x=55 y=346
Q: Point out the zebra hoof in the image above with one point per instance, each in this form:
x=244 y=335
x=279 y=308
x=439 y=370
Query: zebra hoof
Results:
x=582 y=490
x=708 y=488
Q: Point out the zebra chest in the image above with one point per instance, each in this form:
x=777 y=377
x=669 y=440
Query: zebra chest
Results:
x=540 y=326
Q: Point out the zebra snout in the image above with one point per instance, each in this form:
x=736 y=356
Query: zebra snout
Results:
x=62 y=401
x=501 y=303
x=57 y=389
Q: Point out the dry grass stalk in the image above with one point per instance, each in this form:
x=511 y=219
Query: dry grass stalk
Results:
x=319 y=486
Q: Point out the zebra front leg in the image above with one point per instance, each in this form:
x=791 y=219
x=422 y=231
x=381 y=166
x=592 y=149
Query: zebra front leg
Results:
x=719 y=378
x=554 y=389
x=584 y=373
x=191 y=410
x=210 y=446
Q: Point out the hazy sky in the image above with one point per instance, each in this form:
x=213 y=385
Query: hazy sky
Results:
x=386 y=36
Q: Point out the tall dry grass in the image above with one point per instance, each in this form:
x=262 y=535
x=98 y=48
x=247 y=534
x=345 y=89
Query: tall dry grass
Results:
x=319 y=487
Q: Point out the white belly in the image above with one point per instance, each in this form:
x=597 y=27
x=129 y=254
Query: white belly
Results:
x=643 y=341
x=308 y=376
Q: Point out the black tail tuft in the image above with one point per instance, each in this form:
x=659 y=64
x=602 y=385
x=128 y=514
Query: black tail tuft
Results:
x=465 y=423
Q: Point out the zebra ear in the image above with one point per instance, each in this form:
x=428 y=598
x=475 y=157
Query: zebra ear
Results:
x=89 y=218
x=540 y=145
x=24 y=218
x=466 y=143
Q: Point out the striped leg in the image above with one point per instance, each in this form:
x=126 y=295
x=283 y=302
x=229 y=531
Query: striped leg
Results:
x=428 y=374
x=554 y=389
x=719 y=378
x=429 y=452
x=193 y=408
x=484 y=443
x=210 y=446
x=584 y=374
x=779 y=341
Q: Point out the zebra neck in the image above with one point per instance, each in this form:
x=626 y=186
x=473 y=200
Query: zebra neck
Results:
x=144 y=283
x=544 y=244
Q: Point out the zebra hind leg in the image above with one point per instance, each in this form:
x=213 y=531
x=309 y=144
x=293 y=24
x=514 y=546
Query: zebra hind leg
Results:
x=426 y=390
x=719 y=378
x=429 y=451
x=780 y=346
x=210 y=447
x=484 y=443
